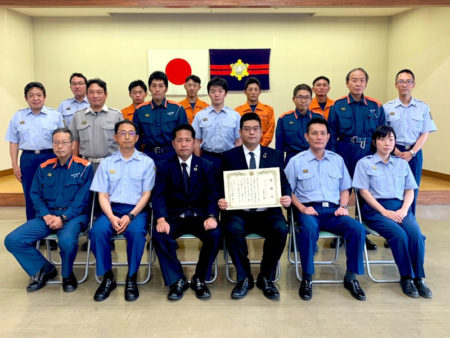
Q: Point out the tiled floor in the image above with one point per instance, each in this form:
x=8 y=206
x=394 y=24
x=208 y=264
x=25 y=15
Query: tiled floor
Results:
x=331 y=313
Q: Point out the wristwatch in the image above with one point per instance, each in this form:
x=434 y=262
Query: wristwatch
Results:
x=64 y=219
x=344 y=206
x=131 y=216
x=412 y=153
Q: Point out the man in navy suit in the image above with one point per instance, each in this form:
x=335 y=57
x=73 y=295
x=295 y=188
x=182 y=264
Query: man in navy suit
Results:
x=185 y=202
x=267 y=222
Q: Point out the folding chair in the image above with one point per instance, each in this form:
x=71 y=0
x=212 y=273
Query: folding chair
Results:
x=367 y=260
x=228 y=261
x=144 y=263
x=293 y=254
x=187 y=262
x=86 y=263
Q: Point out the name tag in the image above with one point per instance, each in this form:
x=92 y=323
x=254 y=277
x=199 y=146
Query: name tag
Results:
x=49 y=174
x=291 y=122
x=83 y=122
x=205 y=119
x=392 y=113
x=343 y=108
x=22 y=122
x=374 y=168
x=112 y=171
x=305 y=171
x=68 y=108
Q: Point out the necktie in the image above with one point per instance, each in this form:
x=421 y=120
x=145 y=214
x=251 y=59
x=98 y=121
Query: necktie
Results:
x=252 y=160
x=185 y=178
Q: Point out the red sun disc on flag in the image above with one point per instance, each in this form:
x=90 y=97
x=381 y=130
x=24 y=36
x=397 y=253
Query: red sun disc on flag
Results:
x=177 y=70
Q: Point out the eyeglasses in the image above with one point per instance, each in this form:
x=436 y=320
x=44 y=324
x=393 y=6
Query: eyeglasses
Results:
x=124 y=133
x=301 y=97
x=248 y=129
x=407 y=82
x=61 y=143
x=77 y=83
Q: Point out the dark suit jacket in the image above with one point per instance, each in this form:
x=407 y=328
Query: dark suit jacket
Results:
x=234 y=159
x=168 y=196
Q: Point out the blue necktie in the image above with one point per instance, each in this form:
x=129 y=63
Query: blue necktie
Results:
x=185 y=178
x=252 y=160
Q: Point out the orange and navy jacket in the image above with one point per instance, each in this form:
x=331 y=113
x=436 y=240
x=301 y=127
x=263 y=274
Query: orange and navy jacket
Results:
x=265 y=113
x=128 y=112
x=199 y=105
x=315 y=107
x=62 y=189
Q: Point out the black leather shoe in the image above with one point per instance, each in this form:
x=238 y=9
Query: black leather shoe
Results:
x=268 y=288
x=422 y=288
x=242 y=287
x=370 y=245
x=70 y=283
x=200 y=288
x=131 y=288
x=53 y=244
x=176 y=289
x=355 y=289
x=409 y=288
x=108 y=284
x=41 y=280
x=305 y=290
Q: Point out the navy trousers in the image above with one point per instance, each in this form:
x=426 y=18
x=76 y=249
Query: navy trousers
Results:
x=415 y=164
x=22 y=244
x=405 y=239
x=166 y=248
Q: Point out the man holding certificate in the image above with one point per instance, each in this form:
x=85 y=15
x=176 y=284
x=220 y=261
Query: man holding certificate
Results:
x=267 y=221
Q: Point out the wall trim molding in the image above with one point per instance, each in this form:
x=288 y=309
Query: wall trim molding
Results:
x=435 y=174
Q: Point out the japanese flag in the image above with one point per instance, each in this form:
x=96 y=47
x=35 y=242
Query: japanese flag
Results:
x=179 y=64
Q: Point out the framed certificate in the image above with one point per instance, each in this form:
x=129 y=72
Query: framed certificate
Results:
x=252 y=188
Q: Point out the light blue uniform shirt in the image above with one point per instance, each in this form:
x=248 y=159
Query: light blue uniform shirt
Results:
x=68 y=107
x=125 y=180
x=314 y=180
x=384 y=180
x=31 y=131
x=218 y=131
x=410 y=121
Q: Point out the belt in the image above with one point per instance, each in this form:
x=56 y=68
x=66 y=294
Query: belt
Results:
x=406 y=147
x=159 y=150
x=357 y=139
x=211 y=153
x=42 y=151
x=93 y=159
x=321 y=204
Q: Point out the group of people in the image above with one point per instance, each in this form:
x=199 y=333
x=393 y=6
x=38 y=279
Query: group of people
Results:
x=173 y=155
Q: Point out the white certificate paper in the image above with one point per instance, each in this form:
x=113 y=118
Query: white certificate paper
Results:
x=252 y=188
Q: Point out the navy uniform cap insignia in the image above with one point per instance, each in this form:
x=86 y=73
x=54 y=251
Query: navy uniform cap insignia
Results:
x=22 y=122
x=343 y=108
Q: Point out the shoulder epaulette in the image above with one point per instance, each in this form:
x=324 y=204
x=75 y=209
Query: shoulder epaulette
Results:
x=286 y=113
x=143 y=104
x=340 y=98
x=374 y=100
x=48 y=162
x=81 y=161
x=174 y=102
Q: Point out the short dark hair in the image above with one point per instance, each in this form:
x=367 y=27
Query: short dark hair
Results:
x=218 y=81
x=249 y=117
x=158 y=75
x=194 y=78
x=137 y=83
x=126 y=121
x=347 y=77
x=64 y=130
x=381 y=132
x=31 y=85
x=302 y=86
x=318 y=120
x=78 y=75
x=99 y=82
x=407 y=71
x=321 y=77
x=185 y=126
x=252 y=80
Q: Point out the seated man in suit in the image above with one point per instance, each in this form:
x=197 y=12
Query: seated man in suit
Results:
x=320 y=184
x=60 y=196
x=267 y=222
x=185 y=202
x=124 y=181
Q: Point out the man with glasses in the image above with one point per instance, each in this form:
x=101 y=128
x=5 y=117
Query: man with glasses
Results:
x=124 y=182
x=291 y=126
x=412 y=122
x=79 y=101
x=156 y=119
x=60 y=195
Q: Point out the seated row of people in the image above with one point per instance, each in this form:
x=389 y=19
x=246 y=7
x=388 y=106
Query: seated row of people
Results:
x=187 y=196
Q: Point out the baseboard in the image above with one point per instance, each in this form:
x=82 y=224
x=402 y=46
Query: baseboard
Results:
x=6 y=172
x=435 y=174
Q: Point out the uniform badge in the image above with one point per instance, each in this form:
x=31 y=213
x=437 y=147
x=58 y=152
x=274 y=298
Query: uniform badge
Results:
x=264 y=155
x=112 y=171
x=170 y=113
x=147 y=115
x=22 y=122
x=68 y=108
x=291 y=122
x=49 y=174
x=305 y=171
x=343 y=108
x=205 y=119
x=392 y=113
x=83 y=122
x=374 y=168
x=196 y=167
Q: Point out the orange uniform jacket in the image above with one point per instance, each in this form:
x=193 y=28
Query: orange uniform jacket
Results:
x=267 y=117
x=128 y=112
x=199 y=105
x=315 y=108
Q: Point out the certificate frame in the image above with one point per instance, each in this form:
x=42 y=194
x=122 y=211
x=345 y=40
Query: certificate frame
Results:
x=252 y=188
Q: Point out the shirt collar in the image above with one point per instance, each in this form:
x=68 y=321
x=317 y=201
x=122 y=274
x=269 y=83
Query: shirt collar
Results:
x=350 y=99
x=257 y=150
x=309 y=156
x=188 y=161
x=43 y=111
x=104 y=109
x=136 y=156
x=377 y=159
x=163 y=104
x=67 y=164
x=398 y=103
x=300 y=115
x=84 y=100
